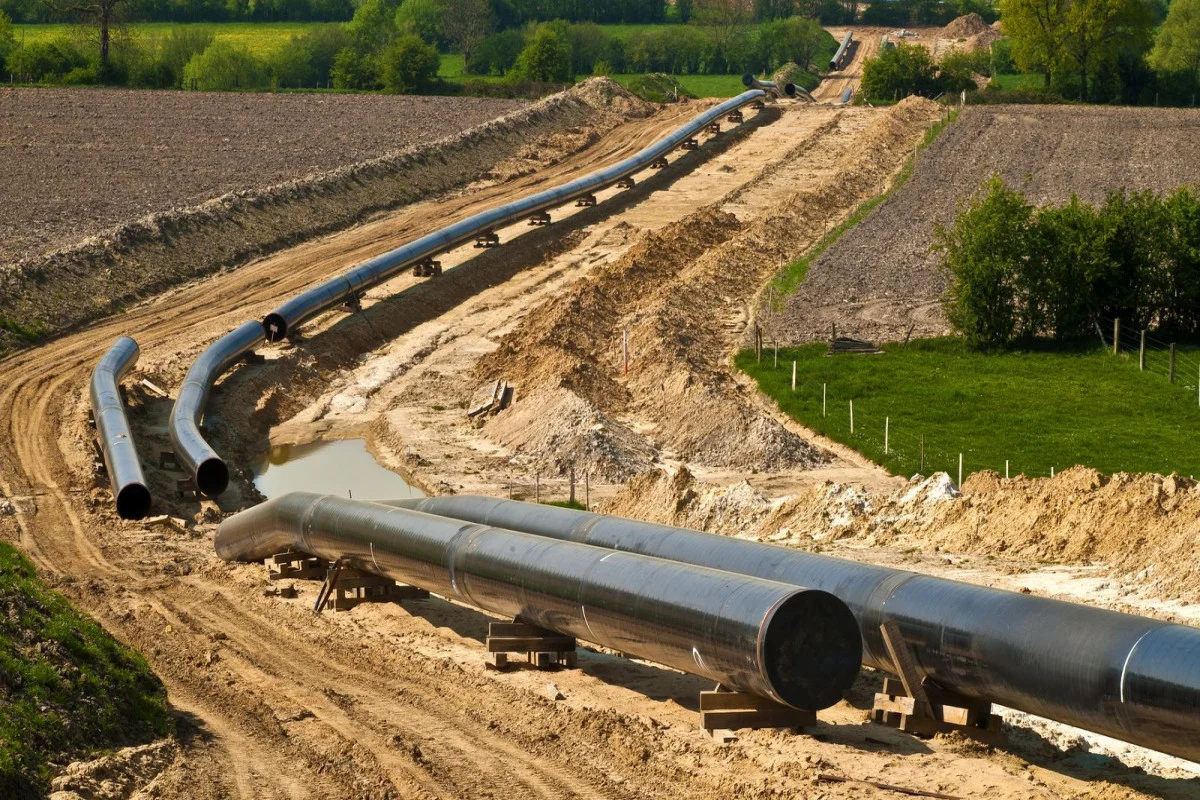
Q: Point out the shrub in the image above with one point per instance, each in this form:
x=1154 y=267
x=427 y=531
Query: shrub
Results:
x=44 y=62
x=983 y=255
x=223 y=66
x=354 y=70
x=496 y=54
x=547 y=58
x=7 y=41
x=899 y=72
x=409 y=65
x=307 y=59
x=420 y=17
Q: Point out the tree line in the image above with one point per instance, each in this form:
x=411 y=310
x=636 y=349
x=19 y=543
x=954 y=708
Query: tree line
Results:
x=1017 y=272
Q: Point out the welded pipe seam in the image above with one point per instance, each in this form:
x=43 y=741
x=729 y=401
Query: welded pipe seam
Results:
x=296 y=311
x=130 y=492
x=796 y=646
x=1125 y=676
x=193 y=452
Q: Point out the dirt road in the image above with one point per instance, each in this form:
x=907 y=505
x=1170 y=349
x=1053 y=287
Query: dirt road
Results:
x=390 y=701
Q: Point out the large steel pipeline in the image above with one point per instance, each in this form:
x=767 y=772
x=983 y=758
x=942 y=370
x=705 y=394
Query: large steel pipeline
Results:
x=193 y=452
x=769 y=87
x=287 y=317
x=116 y=441
x=835 y=63
x=1125 y=676
x=796 y=646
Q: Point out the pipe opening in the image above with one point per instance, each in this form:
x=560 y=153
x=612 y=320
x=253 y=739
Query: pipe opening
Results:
x=133 y=501
x=212 y=477
x=747 y=80
x=275 y=327
x=811 y=650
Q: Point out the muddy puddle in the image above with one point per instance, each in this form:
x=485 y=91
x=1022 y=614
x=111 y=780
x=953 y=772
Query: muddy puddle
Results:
x=343 y=467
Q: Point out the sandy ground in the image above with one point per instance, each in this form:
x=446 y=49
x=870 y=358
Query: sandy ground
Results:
x=390 y=700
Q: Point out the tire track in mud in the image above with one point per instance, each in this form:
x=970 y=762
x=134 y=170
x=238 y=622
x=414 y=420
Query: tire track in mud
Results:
x=41 y=389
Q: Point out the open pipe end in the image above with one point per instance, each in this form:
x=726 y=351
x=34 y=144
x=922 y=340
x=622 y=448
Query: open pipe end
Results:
x=133 y=501
x=212 y=477
x=789 y=89
x=747 y=80
x=275 y=327
x=811 y=649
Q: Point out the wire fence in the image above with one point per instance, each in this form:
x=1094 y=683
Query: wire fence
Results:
x=1176 y=364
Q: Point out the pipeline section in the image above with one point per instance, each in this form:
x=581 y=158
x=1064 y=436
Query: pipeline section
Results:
x=767 y=87
x=293 y=313
x=129 y=489
x=192 y=451
x=1129 y=677
x=796 y=646
x=835 y=63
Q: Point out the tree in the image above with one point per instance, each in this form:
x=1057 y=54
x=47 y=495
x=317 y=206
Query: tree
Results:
x=103 y=13
x=422 y=17
x=496 y=54
x=374 y=25
x=546 y=58
x=353 y=70
x=1178 y=45
x=1097 y=30
x=982 y=255
x=223 y=66
x=726 y=23
x=465 y=23
x=1037 y=28
x=898 y=72
x=794 y=39
x=7 y=40
x=409 y=65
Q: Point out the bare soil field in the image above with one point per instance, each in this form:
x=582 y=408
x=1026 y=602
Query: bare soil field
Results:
x=881 y=277
x=390 y=700
x=78 y=161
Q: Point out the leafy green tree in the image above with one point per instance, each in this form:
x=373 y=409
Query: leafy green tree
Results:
x=958 y=69
x=307 y=59
x=1182 y=217
x=901 y=71
x=422 y=17
x=1096 y=31
x=1068 y=259
x=374 y=25
x=546 y=58
x=588 y=43
x=353 y=70
x=496 y=54
x=1177 y=47
x=7 y=41
x=45 y=62
x=102 y=13
x=1037 y=29
x=224 y=66
x=409 y=65
x=983 y=255
x=795 y=39
x=465 y=23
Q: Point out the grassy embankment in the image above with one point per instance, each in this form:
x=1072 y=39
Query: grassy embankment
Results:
x=67 y=688
x=1037 y=409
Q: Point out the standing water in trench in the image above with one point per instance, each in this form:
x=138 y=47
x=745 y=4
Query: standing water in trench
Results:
x=340 y=467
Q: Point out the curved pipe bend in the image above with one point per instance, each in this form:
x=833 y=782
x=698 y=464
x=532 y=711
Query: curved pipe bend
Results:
x=130 y=493
x=796 y=646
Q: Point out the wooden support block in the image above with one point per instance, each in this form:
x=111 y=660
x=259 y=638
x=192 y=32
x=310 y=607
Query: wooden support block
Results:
x=496 y=661
x=539 y=219
x=658 y=163
x=167 y=460
x=690 y=144
x=625 y=183
x=906 y=665
x=586 y=201
x=778 y=717
x=543 y=648
x=186 y=489
x=525 y=644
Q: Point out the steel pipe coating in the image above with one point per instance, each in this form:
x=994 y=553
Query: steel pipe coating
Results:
x=1129 y=677
x=293 y=313
x=835 y=63
x=769 y=87
x=130 y=493
x=193 y=452
x=796 y=646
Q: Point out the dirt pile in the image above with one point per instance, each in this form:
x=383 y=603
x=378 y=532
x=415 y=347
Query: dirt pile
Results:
x=1145 y=528
x=677 y=296
x=967 y=25
x=101 y=275
x=116 y=776
x=882 y=276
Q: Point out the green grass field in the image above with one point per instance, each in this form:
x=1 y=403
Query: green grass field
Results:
x=262 y=38
x=1037 y=409
x=699 y=85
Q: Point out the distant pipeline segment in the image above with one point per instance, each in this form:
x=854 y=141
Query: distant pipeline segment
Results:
x=839 y=58
x=208 y=470
x=796 y=646
x=1129 y=677
x=130 y=493
x=286 y=318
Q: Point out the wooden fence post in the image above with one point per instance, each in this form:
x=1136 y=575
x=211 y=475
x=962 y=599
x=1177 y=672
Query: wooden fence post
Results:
x=960 y=470
x=851 y=417
x=887 y=425
x=823 y=398
x=1116 y=334
x=793 y=376
x=1006 y=469
x=1142 y=353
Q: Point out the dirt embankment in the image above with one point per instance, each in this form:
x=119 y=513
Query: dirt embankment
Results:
x=882 y=276
x=680 y=296
x=61 y=290
x=1143 y=528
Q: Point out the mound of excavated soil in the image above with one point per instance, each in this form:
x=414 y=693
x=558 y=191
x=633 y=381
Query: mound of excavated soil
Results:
x=1144 y=527
x=99 y=276
x=882 y=276
x=966 y=25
